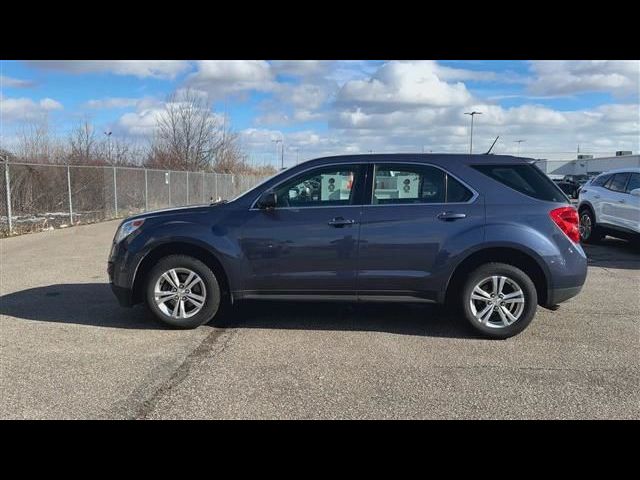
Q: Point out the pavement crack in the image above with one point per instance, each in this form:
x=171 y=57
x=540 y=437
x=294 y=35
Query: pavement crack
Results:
x=211 y=346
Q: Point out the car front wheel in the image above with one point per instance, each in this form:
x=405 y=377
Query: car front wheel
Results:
x=182 y=292
x=499 y=300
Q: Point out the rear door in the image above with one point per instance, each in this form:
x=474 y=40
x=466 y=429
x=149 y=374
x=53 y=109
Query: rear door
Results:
x=414 y=211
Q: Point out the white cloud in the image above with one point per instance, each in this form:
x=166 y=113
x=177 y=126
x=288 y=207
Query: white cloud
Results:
x=570 y=77
x=143 y=122
x=140 y=124
x=401 y=84
x=301 y=68
x=16 y=109
x=112 y=102
x=167 y=69
x=221 y=77
x=6 y=81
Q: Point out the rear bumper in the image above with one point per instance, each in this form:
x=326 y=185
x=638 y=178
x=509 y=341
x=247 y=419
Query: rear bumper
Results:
x=559 y=295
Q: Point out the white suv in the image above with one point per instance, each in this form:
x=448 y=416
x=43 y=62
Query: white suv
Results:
x=610 y=205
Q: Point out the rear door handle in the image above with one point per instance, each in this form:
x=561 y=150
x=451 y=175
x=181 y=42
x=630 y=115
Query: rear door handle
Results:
x=339 y=222
x=451 y=216
x=596 y=196
x=621 y=200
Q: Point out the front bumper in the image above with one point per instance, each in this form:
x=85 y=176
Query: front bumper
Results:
x=124 y=295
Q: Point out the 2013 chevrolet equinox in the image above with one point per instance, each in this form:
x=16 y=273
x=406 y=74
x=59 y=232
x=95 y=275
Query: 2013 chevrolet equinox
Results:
x=489 y=234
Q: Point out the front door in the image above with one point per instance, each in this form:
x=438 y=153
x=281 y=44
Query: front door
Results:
x=612 y=202
x=308 y=244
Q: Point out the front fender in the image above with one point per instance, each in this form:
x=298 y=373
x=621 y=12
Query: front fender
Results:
x=209 y=238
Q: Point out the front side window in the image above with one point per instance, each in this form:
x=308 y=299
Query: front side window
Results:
x=618 y=182
x=324 y=186
x=600 y=180
x=406 y=184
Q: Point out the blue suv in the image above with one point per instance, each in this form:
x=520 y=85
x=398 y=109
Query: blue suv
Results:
x=490 y=235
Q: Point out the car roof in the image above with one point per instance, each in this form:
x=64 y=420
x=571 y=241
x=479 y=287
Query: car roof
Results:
x=435 y=158
x=622 y=170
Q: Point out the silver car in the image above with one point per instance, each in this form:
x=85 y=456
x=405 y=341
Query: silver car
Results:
x=610 y=205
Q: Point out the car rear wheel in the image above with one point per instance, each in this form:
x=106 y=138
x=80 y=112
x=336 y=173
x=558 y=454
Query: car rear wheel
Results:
x=182 y=292
x=499 y=300
x=589 y=231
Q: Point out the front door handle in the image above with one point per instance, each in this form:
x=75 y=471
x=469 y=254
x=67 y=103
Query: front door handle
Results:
x=621 y=200
x=596 y=196
x=339 y=222
x=445 y=216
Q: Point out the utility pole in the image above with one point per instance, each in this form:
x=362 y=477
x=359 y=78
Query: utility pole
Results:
x=471 y=140
x=297 y=150
x=518 y=142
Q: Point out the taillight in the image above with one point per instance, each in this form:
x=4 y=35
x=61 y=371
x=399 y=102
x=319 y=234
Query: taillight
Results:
x=566 y=218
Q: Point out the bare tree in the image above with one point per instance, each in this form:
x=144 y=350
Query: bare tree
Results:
x=188 y=133
x=36 y=144
x=82 y=141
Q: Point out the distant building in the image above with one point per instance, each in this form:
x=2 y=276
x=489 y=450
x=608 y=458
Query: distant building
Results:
x=590 y=165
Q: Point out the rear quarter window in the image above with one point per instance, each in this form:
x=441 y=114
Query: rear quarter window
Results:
x=526 y=179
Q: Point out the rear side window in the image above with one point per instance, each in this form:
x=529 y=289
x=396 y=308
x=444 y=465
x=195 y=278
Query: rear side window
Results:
x=618 y=182
x=406 y=184
x=526 y=179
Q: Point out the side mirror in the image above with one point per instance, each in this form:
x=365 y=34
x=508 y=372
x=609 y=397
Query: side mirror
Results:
x=267 y=201
x=635 y=192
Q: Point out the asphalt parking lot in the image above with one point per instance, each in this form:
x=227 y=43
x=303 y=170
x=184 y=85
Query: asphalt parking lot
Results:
x=67 y=350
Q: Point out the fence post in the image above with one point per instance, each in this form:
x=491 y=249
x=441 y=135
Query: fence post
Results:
x=187 y=187
x=69 y=193
x=146 y=192
x=115 y=190
x=203 y=200
x=8 y=193
x=169 y=177
x=215 y=177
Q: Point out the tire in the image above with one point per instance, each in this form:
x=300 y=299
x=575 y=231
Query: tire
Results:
x=589 y=231
x=204 y=284
x=496 y=323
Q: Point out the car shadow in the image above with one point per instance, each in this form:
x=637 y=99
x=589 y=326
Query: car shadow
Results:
x=425 y=320
x=93 y=304
x=90 y=304
x=613 y=253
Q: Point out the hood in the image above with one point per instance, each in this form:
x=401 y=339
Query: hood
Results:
x=176 y=211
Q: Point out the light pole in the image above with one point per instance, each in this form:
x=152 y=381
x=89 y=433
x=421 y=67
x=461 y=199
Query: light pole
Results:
x=277 y=141
x=471 y=141
x=518 y=142
x=297 y=150
x=108 y=135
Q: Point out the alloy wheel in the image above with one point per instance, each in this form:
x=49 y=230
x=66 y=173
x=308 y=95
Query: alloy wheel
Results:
x=180 y=293
x=497 y=301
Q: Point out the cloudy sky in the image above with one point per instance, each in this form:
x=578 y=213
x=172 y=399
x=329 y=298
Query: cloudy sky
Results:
x=334 y=107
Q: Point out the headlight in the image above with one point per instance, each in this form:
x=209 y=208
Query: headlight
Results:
x=127 y=228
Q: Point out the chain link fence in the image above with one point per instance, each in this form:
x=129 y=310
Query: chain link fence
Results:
x=44 y=196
